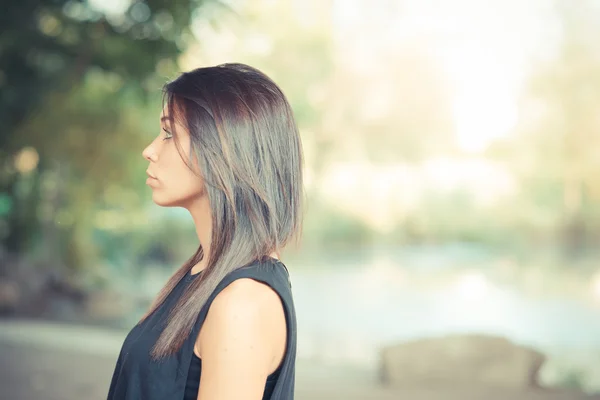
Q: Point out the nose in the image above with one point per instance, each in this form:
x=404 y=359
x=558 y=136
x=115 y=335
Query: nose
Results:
x=149 y=153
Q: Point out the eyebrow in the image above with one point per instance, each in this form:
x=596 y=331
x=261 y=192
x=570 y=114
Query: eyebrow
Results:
x=166 y=118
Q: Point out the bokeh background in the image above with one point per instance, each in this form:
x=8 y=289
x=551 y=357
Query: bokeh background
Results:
x=451 y=182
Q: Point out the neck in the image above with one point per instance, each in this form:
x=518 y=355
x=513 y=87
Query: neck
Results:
x=200 y=212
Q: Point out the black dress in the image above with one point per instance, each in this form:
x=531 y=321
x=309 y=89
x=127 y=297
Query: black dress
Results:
x=177 y=377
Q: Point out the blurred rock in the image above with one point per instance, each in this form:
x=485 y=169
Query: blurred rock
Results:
x=460 y=361
x=10 y=296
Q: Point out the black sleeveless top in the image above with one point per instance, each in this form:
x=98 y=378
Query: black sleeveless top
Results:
x=177 y=377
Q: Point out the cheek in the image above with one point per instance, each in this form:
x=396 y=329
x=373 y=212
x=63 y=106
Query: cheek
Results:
x=190 y=182
x=181 y=189
x=183 y=180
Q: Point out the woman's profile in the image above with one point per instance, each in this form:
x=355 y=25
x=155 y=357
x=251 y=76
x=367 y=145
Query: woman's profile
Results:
x=224 y=326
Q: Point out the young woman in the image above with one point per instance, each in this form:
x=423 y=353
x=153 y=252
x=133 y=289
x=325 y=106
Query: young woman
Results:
x=224 y=325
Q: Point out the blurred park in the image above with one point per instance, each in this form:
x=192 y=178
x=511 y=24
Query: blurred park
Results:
x=451 y=177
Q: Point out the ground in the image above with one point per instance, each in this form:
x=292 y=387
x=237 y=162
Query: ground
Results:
x=47 y=361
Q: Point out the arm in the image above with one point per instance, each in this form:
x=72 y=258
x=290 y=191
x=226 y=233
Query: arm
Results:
x=241 y=342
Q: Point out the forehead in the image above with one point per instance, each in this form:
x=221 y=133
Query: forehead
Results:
x=167 y=118
x=172 y=123
x=171 y=117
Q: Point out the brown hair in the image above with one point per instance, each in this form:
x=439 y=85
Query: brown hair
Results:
x=247 y=148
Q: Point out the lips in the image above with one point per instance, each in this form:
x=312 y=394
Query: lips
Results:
x=150 y=175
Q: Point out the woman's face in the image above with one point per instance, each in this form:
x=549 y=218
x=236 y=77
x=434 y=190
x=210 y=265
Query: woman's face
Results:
x=173 y=183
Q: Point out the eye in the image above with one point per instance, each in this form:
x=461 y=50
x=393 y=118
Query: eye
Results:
x=168 y=134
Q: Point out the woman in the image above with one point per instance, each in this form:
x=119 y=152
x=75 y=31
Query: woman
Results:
x=224 y=325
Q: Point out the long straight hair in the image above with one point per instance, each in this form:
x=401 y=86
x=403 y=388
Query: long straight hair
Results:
x=246 y=147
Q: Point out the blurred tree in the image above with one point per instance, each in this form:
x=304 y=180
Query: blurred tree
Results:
x=567 y=91
x=403 y=111
x=67 y=71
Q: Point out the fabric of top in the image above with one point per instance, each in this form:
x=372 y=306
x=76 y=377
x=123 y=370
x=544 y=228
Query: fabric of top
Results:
x=137 y=376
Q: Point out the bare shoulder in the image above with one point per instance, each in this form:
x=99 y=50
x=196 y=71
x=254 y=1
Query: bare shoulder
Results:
x=241 y=342
x=246 y=302
x=249 y=295
x=245 y=313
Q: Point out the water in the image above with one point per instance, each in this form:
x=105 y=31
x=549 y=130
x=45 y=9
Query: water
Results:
x=350 y=305
x=351 y=313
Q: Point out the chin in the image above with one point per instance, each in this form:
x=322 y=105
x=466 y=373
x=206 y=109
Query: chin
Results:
x=163 y=202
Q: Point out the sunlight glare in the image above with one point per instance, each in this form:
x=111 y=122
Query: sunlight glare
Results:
x=484 y=101
x=472 y=286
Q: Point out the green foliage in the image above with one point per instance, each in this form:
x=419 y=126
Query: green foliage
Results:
x=50 y=45
x=326 y=227
x=67 y=72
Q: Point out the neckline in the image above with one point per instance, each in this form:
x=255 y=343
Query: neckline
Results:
x=190 y=275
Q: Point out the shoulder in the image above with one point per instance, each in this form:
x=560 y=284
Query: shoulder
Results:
x=246 y=311
x=242 y=341
x=246 y=295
